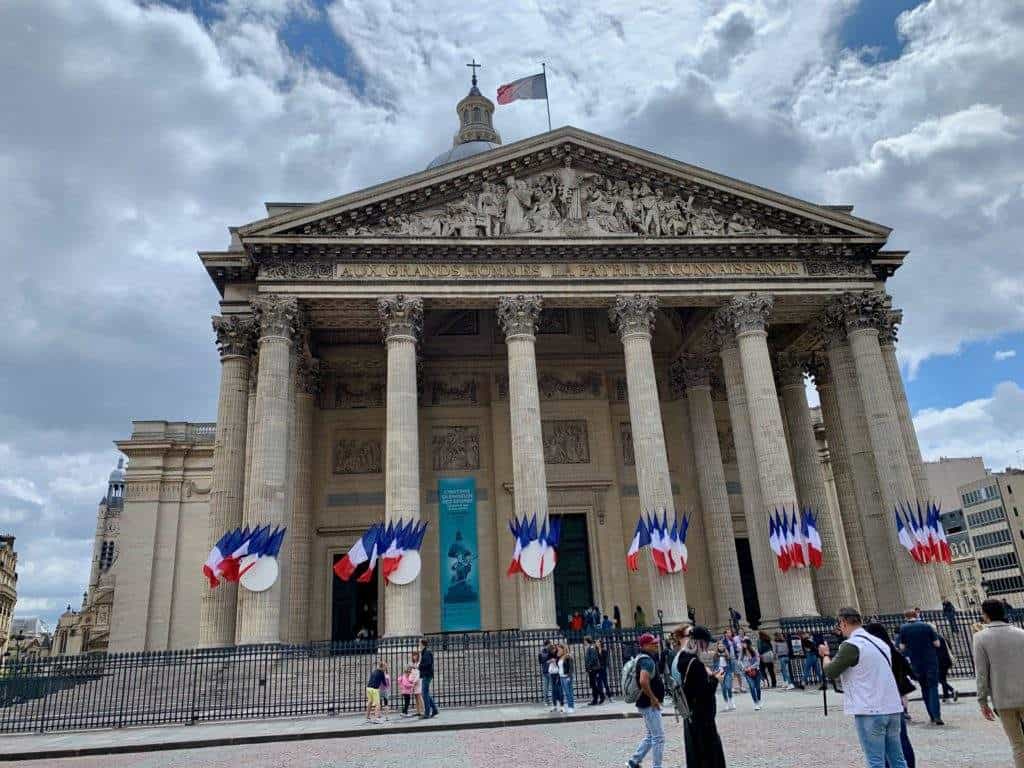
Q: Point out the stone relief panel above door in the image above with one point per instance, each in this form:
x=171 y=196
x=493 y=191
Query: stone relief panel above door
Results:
x=357 y=455
x=455 y=448
x=565 y=441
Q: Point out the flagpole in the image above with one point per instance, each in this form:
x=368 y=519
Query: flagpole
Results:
x=547 y=100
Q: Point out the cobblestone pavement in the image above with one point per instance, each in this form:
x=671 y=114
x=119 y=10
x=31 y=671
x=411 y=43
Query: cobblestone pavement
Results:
x=789 y=731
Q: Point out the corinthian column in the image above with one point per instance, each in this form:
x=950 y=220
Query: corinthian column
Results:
x=234 y=339
x=766 y=572
x=260 y=612
x=518 y=316
x=887 y=340
x=842 y=471
x=402 y=321
x=720 y=537
x=833 y=582
x=748 y=316
x=863 y=313
x=300 y=531
x=634 y=317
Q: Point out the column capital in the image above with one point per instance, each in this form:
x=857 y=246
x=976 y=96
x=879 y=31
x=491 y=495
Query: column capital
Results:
x=788 y=370
x=694 y=369
x=749 y=313
x=815 y=365
x=889 y=329
x=634 y=314
x=307 y=375
x=860 y=310
x=722 y=335
x=400 y=315
x=276 y=315
x=235 y=334
x=519 y=314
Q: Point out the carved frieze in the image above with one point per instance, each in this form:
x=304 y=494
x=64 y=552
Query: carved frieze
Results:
x=455 y=448
x=352 y=383
x=455 y=390
x=307 y=375
x=838 y=267
x=565 y=441
x=358 y=456
x=569 y=387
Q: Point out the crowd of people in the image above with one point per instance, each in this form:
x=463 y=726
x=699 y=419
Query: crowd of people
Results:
x=413 y=684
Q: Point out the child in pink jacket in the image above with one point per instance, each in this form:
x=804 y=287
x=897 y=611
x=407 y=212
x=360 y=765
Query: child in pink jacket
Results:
x=407 y=686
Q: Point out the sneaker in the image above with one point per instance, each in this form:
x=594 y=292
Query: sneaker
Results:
x=938 y=722
x=570 y=711
x=553 y=709
x=790 y=687
x=757 y=706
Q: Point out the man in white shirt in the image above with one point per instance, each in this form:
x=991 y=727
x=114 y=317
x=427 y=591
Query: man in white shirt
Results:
x=869 y=690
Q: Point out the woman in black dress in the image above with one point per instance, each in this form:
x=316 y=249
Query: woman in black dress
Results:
x=700 y=734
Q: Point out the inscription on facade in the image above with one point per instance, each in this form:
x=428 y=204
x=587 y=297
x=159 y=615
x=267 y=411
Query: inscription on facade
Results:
x=455 y=448
x=358 y=457
x=637 y=270
x=565 y=442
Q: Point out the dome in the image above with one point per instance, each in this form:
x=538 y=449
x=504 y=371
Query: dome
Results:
x=461 y=152
x=117 y=476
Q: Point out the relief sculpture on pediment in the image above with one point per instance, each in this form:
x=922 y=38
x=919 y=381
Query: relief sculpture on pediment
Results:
x=569 y=201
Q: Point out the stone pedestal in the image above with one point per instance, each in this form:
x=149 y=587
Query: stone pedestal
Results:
x=234 y=338
x=518 y=316
x=863 y=314
x=300 y=531
x=833 y=582
x=748 y=316
x=719 y=533
x=766 y=571
x=842 y=472
x=634 y=317
x=402 y=322
x=260 y=612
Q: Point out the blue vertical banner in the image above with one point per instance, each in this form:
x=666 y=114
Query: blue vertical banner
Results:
x=460 y=567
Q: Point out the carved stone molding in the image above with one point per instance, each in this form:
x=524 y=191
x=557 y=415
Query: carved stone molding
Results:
x=358 y=456
x=838 y=267
x=749 y=313
x=864 y=309
x=400 y=315
x=575 y=493
x=518 y=315
x=565 y=387
x=276 y=315
x=307 y=376
x=149 y=489
x=634 y=314
x=235 y=334
x=889 y=330
x=455 y=448
x=565 y=442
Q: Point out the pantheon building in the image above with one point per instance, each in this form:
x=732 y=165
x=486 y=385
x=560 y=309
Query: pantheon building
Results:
x=564 y=327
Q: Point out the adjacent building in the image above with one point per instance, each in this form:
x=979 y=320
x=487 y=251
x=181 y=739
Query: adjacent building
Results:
x=8 y=589
x=565 y=327
x=992 y=509
x=945 y=477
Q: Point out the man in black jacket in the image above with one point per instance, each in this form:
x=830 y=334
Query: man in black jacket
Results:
x=427 y=677
x=592 y=663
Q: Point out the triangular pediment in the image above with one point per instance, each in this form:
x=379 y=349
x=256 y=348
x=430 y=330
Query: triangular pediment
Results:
x=565 y=184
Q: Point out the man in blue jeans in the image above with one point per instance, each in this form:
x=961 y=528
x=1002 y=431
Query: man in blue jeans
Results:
x=427 y=677
x=870 y=693
x=652 y=692
x=920 y=642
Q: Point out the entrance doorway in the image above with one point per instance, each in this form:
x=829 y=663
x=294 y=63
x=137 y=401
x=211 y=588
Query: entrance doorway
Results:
x=751 y=607
x=353 y=605
x=574 y=589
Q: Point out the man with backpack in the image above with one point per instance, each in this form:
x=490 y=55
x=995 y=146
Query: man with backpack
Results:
x=642 y=685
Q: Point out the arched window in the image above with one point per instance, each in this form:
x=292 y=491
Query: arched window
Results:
x=477 y=115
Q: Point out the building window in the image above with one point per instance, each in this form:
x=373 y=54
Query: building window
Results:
x=993 y=539
x=986 y=516
x=998 y=562
x=106 y=555
x=1009 y=489
x=1002 y=586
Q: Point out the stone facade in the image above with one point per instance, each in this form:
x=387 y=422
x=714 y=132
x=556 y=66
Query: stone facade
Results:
x=587 y=331
x=8 y=589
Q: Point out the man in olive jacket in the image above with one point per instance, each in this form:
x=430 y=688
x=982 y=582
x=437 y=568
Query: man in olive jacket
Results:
x=998 y=655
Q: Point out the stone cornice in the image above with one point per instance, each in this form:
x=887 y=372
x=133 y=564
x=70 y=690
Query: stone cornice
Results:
x=400 y=316
x=518 y=315
x=634 y=314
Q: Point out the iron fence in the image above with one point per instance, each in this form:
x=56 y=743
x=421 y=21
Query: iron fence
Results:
x=956 y=628
x=266 y=681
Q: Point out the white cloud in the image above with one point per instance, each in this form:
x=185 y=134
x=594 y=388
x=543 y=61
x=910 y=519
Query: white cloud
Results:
x=1004 y=354
x=991 y=427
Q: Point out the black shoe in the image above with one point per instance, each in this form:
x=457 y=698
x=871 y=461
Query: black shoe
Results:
x=956 y=695
x=938 y=722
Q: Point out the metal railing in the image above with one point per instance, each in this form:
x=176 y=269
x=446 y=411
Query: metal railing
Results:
x=266 y=681
x=956 y=628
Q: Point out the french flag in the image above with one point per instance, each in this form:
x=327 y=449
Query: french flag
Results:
x=813 y=538
x=921 y=550
x=517 y=532
x=364 y=550
x=214 y=566
x=904 y=536
x=945 y=551
x=231 y=568
x=934 y=540
x=549 y=537
x=796 y=543
x=641 y=539
x=777 y=539
x=679 y=530
x=660 y=545
x=392 y=547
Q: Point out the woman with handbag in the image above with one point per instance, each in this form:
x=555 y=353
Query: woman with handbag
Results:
x=764 y=647
x=750 y=664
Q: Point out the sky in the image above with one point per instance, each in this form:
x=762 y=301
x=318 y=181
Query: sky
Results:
x=134 y=134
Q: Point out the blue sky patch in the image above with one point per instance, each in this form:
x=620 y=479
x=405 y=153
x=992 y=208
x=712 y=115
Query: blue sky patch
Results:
x=948 y=380
x=872 y=24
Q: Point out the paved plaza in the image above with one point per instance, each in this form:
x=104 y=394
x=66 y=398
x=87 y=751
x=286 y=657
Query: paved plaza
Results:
x=789 y=731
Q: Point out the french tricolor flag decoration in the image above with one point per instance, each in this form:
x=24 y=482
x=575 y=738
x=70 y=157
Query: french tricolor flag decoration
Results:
x=246 y=556
x=794 y=538
x=214 y=567
x=920 y=532
x=400 y=544
x=535 y=554
x=641 y=539
x=667 y=543
x=809 y=526
x=365 y=550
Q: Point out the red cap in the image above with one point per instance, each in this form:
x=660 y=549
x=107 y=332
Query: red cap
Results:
x=646 y=639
